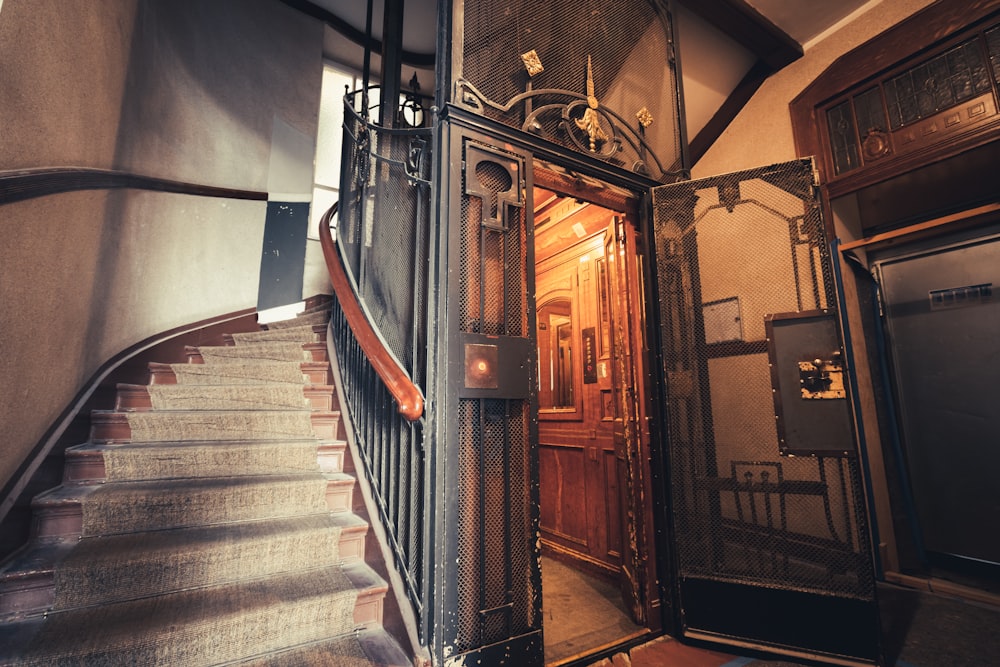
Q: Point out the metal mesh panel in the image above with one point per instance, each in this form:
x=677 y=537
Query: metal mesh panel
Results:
x=628 y=44
x=494 y=589
x=382 y=230
x=492 y=298
x=731 y=250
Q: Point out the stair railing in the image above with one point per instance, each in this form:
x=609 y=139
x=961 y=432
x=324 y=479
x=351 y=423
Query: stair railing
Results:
x=377 y=258
x=408 y=397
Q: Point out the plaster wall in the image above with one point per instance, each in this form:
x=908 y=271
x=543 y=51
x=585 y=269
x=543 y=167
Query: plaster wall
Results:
x=178 y=89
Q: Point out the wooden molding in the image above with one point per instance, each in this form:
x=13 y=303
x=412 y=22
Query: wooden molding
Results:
x=948 y=222
x=731 y=108
x=921 y=32
x=745 y=25
x=30 y=183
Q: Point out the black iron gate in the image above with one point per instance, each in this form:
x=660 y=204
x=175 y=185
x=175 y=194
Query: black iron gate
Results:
x=770 y=536
x=489 y=609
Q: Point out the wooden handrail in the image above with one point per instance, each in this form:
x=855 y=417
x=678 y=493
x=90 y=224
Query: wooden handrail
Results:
x=19 y=185
x=406 y=394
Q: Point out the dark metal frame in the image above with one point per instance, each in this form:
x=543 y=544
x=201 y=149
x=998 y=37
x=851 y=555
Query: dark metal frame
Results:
x=785 y=417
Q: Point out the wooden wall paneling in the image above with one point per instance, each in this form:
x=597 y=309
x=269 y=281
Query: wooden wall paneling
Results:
x=563 y=485
x=576 y=453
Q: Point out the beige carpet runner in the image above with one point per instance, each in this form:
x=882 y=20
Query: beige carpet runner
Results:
x=210 y=540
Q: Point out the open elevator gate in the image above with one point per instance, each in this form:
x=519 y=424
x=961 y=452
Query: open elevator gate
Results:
x=770 y=540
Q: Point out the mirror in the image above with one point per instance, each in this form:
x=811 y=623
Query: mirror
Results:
x=556 y=389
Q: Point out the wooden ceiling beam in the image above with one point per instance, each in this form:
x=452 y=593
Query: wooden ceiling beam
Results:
x=749 y=28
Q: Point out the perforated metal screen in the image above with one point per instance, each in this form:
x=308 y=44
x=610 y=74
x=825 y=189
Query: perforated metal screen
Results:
x=732 y=250
x=495 y=587
x=382 y=230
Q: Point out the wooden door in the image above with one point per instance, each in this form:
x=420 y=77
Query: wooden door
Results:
x=631 y=432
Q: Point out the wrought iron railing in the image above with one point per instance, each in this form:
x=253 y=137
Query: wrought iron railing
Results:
x=378 y=327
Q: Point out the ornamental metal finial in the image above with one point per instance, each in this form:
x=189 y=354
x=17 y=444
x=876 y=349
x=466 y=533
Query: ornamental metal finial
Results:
x=645 y=118
x=532 y=63
x=590 y=123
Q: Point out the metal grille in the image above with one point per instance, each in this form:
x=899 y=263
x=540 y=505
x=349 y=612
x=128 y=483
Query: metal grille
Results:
x=392 y=457
x=630 y=47
x=383 y=237
x=731 y=250
x=494 y=589
x=382 y=229
x=492 y=298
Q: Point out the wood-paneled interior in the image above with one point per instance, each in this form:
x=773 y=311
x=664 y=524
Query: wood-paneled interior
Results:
x=580 y=516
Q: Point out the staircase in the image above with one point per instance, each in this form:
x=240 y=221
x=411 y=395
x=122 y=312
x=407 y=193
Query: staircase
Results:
x=207 y=521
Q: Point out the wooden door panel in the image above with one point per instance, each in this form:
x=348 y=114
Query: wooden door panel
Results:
x=563 y=493
x=577 y=443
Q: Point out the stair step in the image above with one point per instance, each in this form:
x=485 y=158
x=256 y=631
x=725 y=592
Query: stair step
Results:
x=265 y=351
x=209 y=520
x=320 y=317
x=27 y=581
x=63 y=512
x=122 y=507
x=373 y=644
x=86 y=463
x=99 y=462
x=137 y=396
x=315 y=372
x=331 y=455
x=315 y=333
x=30 y=582
x=209 y=625
x=101 y=570
x=371 y=588
x=183 y=425
x=340 y=491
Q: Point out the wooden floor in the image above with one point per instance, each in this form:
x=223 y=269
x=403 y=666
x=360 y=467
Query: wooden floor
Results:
x=581 y=613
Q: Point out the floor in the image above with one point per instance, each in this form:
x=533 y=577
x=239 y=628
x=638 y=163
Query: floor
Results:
x=919 y=629
x=580 y=612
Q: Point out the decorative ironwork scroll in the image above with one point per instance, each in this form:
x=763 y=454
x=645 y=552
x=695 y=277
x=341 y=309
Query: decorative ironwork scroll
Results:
x=577 y=121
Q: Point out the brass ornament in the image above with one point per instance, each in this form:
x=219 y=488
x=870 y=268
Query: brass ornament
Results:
x=875 y=144
x=532 y=63
x=645 y=118
x=590 y=123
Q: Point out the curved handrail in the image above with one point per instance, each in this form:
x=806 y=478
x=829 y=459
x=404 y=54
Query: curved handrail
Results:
x=407 y=395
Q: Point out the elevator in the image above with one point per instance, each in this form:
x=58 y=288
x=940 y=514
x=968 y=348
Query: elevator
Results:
x=598 y=580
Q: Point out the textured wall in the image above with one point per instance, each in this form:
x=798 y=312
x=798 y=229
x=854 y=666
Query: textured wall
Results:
x=179 y=89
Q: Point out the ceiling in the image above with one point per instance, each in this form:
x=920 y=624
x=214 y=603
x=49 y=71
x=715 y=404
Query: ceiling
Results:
x=802 y=20
x=727 y=47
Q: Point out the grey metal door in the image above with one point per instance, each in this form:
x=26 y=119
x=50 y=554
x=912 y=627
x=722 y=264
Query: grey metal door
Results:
x=943 y=322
